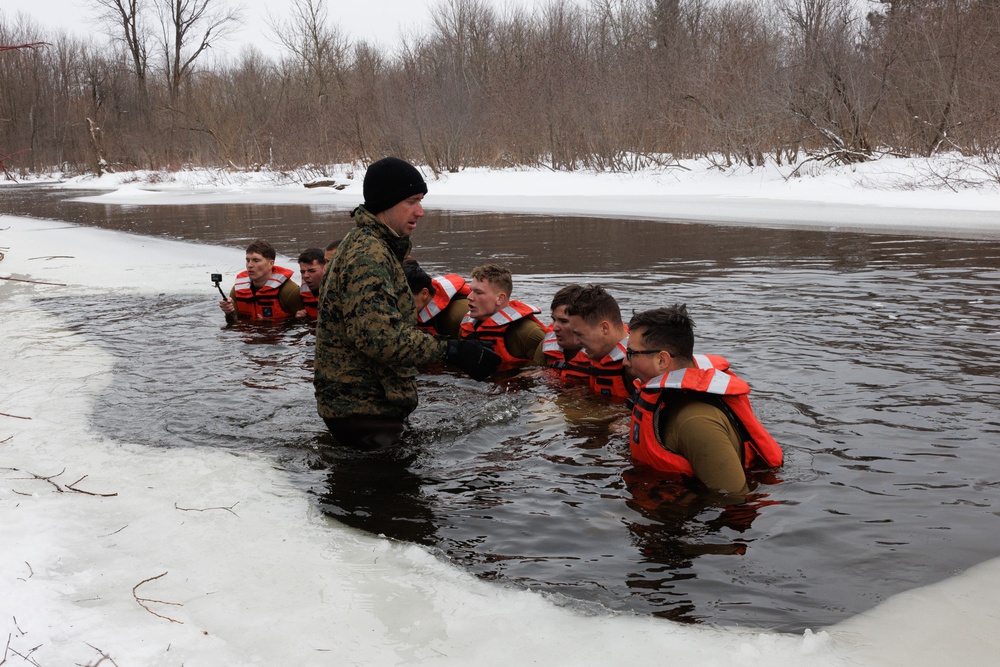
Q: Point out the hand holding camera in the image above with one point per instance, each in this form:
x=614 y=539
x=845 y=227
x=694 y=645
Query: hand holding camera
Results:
x=227 y=306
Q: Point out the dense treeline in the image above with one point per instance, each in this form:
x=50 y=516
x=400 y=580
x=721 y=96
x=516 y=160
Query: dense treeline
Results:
x=616 y=85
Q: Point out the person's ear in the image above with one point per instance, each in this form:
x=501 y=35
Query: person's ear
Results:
x=663 y=360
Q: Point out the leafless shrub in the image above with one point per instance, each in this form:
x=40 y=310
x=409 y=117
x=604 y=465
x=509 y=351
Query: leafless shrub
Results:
x=609 y=87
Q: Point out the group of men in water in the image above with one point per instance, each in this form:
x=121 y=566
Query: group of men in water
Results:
x=380 y=317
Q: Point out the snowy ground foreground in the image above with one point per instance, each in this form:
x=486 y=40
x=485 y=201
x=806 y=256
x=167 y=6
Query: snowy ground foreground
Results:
x=235 y=567
x=945 y=194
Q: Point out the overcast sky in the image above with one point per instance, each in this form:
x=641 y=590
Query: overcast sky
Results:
x=375 y=20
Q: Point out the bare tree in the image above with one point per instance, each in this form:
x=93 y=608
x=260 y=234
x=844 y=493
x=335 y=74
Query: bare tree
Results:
x=319 y=47
x=125 y=23
x=188 y=28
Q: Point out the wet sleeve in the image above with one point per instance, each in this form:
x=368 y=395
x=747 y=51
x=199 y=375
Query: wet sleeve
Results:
x=452 y=316
x=709 y=443
x=373 y=320
x=290 y=298
x=524 y=340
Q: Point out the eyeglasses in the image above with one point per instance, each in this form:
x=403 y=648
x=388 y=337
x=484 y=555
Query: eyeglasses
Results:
x=629 y=352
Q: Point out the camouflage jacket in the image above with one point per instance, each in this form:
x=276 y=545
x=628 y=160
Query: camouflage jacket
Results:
x=367 y=343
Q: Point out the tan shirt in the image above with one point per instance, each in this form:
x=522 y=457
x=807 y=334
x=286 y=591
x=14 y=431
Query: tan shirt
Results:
x=523 y=339
x=705 y=436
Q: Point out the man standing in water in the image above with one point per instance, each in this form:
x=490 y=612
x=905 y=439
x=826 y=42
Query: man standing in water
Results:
x=367 y=344
x=263 y=291
x=691 y=419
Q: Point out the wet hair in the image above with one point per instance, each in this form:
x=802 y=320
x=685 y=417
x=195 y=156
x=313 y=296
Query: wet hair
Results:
x=312 y=255
x=262 y=248
x=594 y=305
x=495 y=275
x=332 y=245
x=417 y=278
x=670 y=329
x=565 y=296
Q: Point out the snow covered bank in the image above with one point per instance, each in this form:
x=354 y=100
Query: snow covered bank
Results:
x=944 y=195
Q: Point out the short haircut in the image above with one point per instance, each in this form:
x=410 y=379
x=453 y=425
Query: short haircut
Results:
x=594 y=305
x=670 y=329
x=495 y=275
x=565 y=296
x=312 y=255
x=417 y=278
x=332 y=245
x=262 y=248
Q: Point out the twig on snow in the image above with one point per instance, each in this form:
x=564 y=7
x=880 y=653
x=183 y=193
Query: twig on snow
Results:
x=89 y=493
x=196 y=509
x=32 y=573
x=104 y=656
x=33 y=282
x=142 y=601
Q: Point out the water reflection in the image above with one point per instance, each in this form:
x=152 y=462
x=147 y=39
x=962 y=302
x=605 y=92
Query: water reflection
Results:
x=874 y=360
x=376 y=491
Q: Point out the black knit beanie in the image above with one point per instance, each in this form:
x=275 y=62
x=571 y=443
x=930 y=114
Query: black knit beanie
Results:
x=390 y=181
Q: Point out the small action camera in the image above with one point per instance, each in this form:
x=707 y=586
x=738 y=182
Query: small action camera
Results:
x=217 y=278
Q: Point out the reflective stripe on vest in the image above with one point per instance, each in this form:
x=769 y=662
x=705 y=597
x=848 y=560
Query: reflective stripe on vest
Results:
x=262 y=304
x=578 y=367
x=494 y=327
x=309 y=301
x=758 y=445
x=446 y=287
x=607 y=375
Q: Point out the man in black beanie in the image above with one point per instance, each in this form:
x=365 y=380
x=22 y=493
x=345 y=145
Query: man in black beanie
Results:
x=367 y=344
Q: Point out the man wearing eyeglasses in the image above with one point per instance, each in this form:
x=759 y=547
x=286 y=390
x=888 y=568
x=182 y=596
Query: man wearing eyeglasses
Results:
x=596 y=319
x=691 y=416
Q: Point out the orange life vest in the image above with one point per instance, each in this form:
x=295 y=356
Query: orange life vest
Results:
x=447 y=288
x=492 y=329
x=309 y=301
x=731 y=396
x=577 y=368
x=711 y=361
x=262 y=304
x=607 y=375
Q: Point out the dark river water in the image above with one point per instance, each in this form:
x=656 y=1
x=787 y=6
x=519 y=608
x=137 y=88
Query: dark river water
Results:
x=874 y=360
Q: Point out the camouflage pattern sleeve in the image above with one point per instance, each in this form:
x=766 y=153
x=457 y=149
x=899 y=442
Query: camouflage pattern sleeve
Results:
x=378 y=319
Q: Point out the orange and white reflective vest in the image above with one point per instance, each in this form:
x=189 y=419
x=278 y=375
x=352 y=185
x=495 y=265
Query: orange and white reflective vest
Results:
x=493 y=328
x=577 y=368
x=262 y=304
x=711 y=361
x=759 y=448
x=447 y=288
x=309 y=301
x=607 y=375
